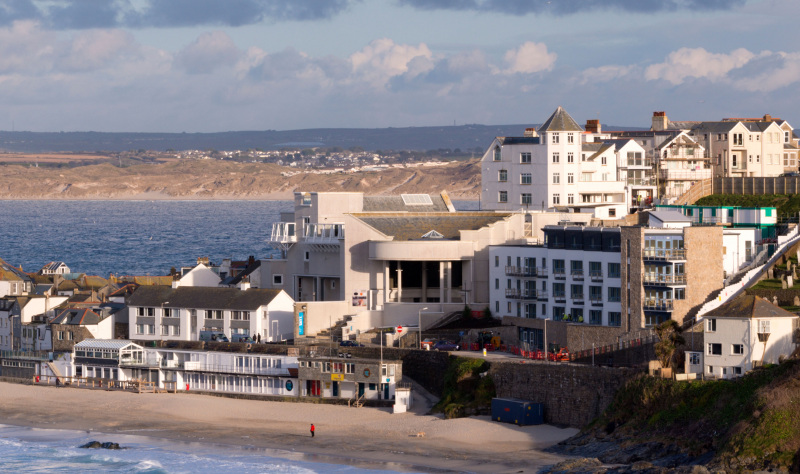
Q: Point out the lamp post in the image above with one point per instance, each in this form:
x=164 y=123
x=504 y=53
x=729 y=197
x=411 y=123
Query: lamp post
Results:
x=420 y=325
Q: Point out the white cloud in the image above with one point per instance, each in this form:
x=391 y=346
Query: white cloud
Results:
x=529 y=58
x=95 y=49
x=382 y=59
x=208 y=52
x=26 y=48
x=688 y=63
x=773 y=71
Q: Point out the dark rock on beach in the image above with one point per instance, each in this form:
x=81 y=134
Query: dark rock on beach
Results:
x=99 y=445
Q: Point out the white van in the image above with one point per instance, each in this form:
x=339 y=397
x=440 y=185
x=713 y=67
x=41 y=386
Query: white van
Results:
x=213 y=336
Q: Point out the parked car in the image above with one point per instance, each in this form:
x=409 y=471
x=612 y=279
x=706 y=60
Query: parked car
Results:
x=350 y=344
x=791 y=174
x=446 y=346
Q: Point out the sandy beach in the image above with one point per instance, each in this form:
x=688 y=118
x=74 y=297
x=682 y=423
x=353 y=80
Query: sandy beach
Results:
x=343 y=434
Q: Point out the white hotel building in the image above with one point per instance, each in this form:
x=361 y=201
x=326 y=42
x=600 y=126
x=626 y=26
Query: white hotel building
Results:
x=561 y=166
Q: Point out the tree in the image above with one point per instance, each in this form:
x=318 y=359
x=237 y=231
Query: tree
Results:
x=669 y=338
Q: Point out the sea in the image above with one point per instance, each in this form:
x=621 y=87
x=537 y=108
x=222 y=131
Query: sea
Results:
x=138 y=237
x=33 y=450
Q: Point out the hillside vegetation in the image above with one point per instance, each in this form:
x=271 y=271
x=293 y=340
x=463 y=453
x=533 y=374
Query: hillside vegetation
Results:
x=214 y=179
x=750 y=423
x=788 y=205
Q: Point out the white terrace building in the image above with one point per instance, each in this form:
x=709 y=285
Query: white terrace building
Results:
x=179 y=314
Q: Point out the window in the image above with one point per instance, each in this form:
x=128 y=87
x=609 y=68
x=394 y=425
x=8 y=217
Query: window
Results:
x=595 y=269
x=714 y=348
x=559 y=290
x=614 y=294
x=603 y=160
x=558 y=267
x=586 y=177
x=556 y=199
x=614 y=318
x=711 y=325
x=737 y=371
x=763 y=327
x=570 y=178
x=502 y=196
x=571 y=138
x=525 y=158
x=596 y=294
x=680 y=293
x=502 y=176
x=214 y=314
x=570 y=157
x=525 y=178
x=556 y=178
x=306 y=255
x=496 y=283
x=497 y=153
x=570 y=199
x=526 y=199
x=583 y=156
x=497 y=261
x=595 y=317
x=694 y=358
x=240 y=315
x=576 y=268
x=576 y=292
x=277 y=279
x=555 y=138
x=613 y=270
x=556 y=157
x=737 y=349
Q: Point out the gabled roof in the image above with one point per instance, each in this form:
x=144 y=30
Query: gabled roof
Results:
x=560 y=121
x=52 y=267
x=749 y=307
x=10 y=273
x=202 y=297
x=77 y=316
x=413 y=227
x=114 y=344
x=596 y=149
x=715 y=127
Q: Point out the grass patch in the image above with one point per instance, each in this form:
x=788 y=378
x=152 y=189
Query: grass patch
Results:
x=786 y=204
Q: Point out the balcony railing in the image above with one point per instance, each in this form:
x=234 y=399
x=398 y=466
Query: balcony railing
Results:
x=664 y=254
x=541 y=295
x=283 y=232
x=559 y=274
x=657 y=304
x=596 y=300
x=515 y=294
x=577 y=274
x=596 y=276
x=660 y=279
x=26 y=355
x=323 y=233
x=521 y=271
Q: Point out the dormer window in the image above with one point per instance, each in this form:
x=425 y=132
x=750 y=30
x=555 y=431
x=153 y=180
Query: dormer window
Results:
x=497 y=153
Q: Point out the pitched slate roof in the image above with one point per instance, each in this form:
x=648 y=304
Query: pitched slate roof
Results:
x=560 y=121
x=750 y=307
x=10 y=273
x=235 y=280
x=200 y=297
x=519 y=140
x=77 y=316
x=396 y=204
x=414 y=226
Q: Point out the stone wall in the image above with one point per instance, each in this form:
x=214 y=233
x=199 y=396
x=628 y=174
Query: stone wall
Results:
x=572 y=394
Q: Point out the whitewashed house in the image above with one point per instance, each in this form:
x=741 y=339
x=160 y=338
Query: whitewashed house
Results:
x=179 y=314
x=744 y=333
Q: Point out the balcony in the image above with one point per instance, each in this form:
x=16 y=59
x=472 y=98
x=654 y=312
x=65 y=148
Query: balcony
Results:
x=559 y=274
x=596 y=276
x=541 y=295
x=323 y=237
x=560 y=296
x=657 y=304
x=515 y=294
x=596 y=300
x=576 y=298
x=657 y=279
x=541 y=272
x=577 y=274
x=664 y=254
x=525 y=272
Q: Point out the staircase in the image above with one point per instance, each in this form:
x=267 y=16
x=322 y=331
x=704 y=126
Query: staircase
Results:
x=336 y=330
x=56 y=372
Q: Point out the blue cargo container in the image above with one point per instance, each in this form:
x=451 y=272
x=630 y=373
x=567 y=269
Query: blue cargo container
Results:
x=516 y=411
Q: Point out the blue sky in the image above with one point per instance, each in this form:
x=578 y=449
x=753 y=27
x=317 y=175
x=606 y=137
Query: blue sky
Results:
x=219 y=65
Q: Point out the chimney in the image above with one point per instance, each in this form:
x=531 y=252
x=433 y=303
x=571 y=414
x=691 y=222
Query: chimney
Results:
x=530 y=132
x=660 y=121
x=767 y=118
x=593 y=126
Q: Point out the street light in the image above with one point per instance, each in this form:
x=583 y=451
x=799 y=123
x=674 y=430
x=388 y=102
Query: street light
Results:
x=420 y=325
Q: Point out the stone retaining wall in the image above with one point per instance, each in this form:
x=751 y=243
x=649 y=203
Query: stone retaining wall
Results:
x=572 y=394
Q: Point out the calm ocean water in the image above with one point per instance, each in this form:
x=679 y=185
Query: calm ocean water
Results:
x=35 y=450
x=137 y=237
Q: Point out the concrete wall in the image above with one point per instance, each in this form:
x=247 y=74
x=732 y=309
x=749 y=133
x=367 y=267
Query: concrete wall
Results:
x=572 y=394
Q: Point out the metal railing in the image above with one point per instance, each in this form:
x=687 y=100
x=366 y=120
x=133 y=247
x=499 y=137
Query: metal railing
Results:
x=657 y=304
x=27 y=355
x=323 y=233
x=521 y=271
x=661 y=279
x=521 y=294
x=664 y=254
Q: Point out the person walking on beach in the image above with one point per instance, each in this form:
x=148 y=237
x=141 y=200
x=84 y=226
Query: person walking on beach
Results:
x=312 y=430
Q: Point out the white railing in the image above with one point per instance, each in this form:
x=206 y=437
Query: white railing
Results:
x=323 y=233
x=283 y=232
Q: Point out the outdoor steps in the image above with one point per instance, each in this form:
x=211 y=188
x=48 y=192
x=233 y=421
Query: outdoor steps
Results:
x=336 y=329
x=56 y=372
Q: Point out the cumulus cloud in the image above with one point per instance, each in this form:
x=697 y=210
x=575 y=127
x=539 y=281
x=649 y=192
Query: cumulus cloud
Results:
x=82 y=14
x=383 y=59
x=207 y=53
x=529 y=58
x=687 y=63
x=569 y=7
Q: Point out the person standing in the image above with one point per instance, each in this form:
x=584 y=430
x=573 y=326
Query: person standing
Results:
x=312 y=430
x=258 y=338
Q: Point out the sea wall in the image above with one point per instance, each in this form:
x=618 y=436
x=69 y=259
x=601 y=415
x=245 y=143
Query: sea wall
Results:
x=572 y=394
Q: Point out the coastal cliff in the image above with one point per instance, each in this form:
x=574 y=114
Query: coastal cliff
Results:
x=214 y=179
